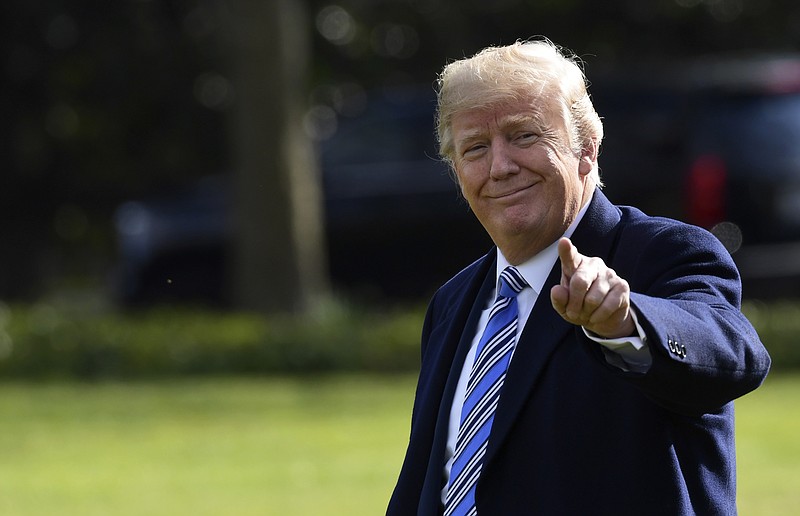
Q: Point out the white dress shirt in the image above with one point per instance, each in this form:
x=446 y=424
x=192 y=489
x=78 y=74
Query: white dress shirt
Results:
x=628 y=353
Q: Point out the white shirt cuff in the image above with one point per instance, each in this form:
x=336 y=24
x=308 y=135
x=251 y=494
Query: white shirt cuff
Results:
x=631 y=354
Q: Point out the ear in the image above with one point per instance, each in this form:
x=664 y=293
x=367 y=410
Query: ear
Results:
x=588 y=158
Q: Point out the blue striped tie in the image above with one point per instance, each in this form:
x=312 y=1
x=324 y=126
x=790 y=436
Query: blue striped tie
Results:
x=483 y=392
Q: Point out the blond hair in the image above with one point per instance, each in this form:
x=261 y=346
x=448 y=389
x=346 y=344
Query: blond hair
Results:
x=522 y=70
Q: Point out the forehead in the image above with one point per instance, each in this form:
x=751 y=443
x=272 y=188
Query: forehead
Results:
x=540 y=112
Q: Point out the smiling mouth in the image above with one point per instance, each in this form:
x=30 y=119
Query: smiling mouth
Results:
x=511 y=193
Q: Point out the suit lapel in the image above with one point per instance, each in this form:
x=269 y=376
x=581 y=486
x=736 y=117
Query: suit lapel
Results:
x=447 y=368
x=545 y=329
x=540 y=337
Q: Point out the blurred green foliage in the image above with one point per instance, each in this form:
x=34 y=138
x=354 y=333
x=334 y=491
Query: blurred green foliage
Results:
x=778 y=325
x=42 y=341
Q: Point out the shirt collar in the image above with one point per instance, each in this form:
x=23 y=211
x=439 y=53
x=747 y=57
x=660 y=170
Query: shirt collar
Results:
x=536 y=269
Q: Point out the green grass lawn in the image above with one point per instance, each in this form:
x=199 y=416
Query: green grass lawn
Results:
x=274 y=446
x=202 y=447
x=768 y=447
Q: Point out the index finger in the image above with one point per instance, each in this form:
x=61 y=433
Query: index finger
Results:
x=569 y=256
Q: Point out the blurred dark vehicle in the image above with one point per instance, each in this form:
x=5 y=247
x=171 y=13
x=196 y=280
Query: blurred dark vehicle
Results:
x=396 y=225
x=716 y=143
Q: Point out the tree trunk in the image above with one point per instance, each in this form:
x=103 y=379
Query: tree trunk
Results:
x=279 y=263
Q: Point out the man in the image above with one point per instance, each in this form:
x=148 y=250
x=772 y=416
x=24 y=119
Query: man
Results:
x=596 y=375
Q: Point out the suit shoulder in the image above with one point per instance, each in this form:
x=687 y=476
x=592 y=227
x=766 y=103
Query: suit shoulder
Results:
x=658 y=255
x=644 y=228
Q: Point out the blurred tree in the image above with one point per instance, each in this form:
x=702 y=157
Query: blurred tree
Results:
x=278 y=263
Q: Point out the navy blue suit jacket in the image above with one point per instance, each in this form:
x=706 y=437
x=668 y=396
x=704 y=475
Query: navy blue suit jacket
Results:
x=574 y=435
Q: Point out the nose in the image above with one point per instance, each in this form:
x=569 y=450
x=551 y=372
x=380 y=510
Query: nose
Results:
x=502 y=161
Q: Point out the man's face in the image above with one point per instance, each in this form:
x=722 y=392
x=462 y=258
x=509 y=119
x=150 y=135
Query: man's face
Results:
x=518 y=173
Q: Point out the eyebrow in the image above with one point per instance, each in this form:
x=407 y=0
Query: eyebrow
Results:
x=468 y=136
x=518 y=120
x=512 y=121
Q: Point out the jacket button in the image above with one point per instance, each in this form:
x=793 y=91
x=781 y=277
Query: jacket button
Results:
x=676 y=349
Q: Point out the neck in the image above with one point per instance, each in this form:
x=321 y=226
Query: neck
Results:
x=519 y=253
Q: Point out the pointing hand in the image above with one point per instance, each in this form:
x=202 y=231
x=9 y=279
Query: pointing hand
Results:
x=591 y=294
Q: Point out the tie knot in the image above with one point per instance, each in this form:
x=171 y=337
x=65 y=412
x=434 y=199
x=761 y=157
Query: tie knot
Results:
x=511 y=282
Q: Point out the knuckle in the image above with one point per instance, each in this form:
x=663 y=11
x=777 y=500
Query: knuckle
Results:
x=581 y=279
x=594 y=299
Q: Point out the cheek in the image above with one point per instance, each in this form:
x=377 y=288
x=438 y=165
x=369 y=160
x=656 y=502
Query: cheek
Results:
x=468 y=180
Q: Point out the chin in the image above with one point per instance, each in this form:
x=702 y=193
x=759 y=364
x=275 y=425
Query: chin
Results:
x=515 y=228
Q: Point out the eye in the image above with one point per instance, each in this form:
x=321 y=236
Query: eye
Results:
x=473 y=150
x=526 y=137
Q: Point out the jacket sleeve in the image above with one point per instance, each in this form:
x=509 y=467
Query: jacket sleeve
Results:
x=686 y=291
